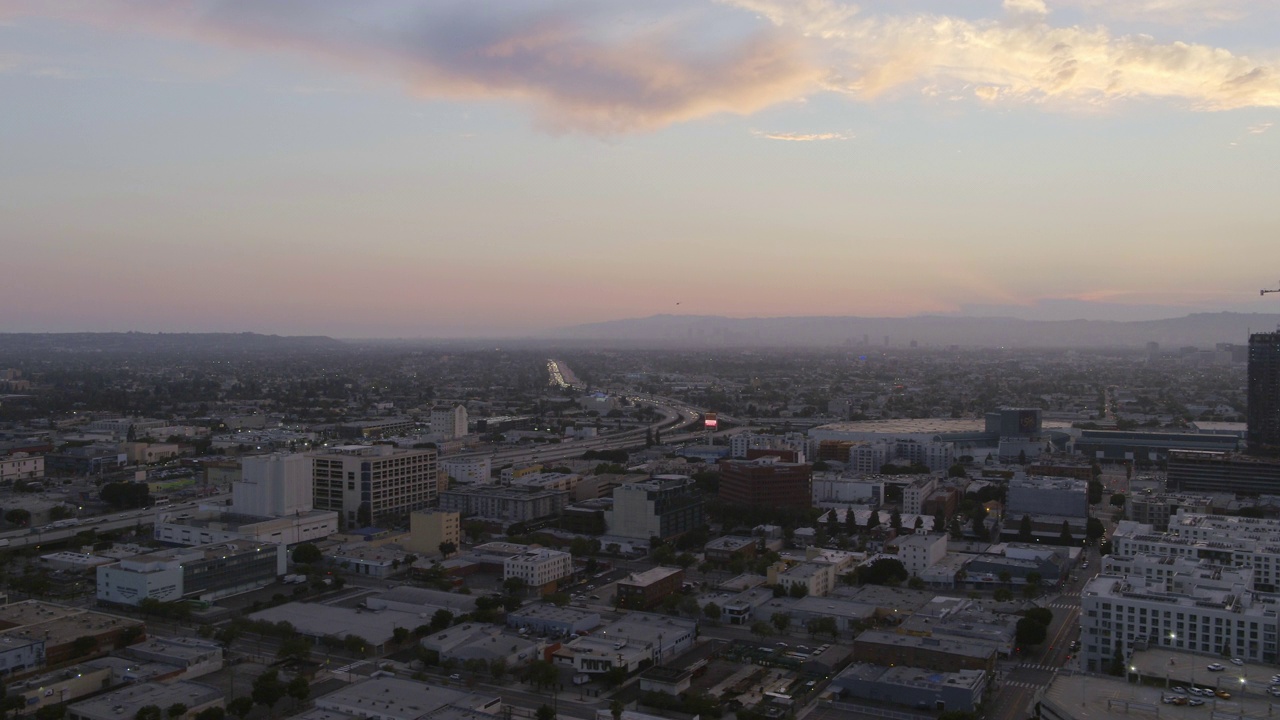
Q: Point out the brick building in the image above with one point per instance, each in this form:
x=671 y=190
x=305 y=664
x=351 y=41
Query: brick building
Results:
x=766 y=481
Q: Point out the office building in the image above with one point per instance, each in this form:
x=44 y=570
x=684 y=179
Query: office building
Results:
x=918 y=552
x=428 y=529
x=1221 y=472
x=766 y=482
x=1155 y=510
x=1264 y=394
x=449 y=422
x=916 y=491
x=206 y=572
x=273 y=486
x=664 y=506
x=368 y=484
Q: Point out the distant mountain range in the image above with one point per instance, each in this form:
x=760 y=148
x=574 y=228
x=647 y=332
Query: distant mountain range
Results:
x=1203 y=330
x=160 y=343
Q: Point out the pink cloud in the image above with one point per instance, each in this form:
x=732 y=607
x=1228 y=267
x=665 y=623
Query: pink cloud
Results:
x=580 y=69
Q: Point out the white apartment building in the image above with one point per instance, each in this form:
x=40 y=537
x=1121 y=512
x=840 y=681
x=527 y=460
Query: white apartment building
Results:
x=273 y=486
x=918 y=552
x=468 y=470
x=365 y=484
x=1209 y=610
x=916 y=492
x=866 y=458
x=1230 y=541
x=449 y=423
x=817 y=578
x=21 y=466
x=538 y=568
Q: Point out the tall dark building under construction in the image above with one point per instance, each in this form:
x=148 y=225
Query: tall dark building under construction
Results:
x=1264 y=394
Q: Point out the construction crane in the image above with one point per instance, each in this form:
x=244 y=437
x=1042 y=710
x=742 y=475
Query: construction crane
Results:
x=1264 y=292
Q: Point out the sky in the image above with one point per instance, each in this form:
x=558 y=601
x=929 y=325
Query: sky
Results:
x=473 y=168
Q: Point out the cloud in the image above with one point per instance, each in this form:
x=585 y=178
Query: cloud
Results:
x=801 y=137
x=609 y=66
x=1022 y=59
x=580 y=67
x=1191 y=13
x=1259 y=128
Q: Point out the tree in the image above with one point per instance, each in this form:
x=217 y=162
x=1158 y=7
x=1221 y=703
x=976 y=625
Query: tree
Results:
x=780 y=621
x=1044 y=616
x=1095 y=490
x=441 y=620
x=176 y=711
x=498 y=668
x=447 y=548
x=298 y=689
x=513 y=585
x=1005 y=577
x=543 y=674
x=211 y=713
x=820 y=625
x=1024 y=529
x=1117 y=660
x=955 y=530
x=307 y=554
x=400 y=635
x=295 y=646
x=761 y=629
x=559 y=599
x=979 y=527
x=1029 y=632
x=149 y=712
x=51 y=712
x=545 y=712
x=267 y=689
x=17 y=516
x=1064 y=536
x=885 y=571
x=615 y=709
x=957 y=471
x=240 y=707
x=798 y=590
x=1118 y=500
x=614 y=676
x=895 y=520
x=712 y=611
x=1094 y=529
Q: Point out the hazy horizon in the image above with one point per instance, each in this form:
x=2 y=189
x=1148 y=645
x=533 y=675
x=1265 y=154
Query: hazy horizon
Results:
x=475 y=169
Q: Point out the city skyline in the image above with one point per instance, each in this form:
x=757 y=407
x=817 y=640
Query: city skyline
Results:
x=451 y=169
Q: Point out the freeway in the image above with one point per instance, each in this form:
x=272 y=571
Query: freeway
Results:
x=130 y=518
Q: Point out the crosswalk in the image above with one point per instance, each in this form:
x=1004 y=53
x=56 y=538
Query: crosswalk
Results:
x=1063 y=606
x=1037 y=666
x=1022 y=684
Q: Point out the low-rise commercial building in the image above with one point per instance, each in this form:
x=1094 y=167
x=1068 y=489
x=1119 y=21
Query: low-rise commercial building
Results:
x=205 y=572
x=645 y=590
x=881 y=647
x=127 y=701
x=634 y=639
x=913 y=687
x=209 y=526
x=387 y=698
x=547 y=619
x=727 y=548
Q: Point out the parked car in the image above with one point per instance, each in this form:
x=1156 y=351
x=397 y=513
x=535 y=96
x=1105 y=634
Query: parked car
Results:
x=1237 y=662
x=1216 y=667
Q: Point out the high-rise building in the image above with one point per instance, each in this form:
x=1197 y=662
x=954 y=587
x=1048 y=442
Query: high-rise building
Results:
x=449 y=422
x=664 y=506
x=366 y=484
x=273 y=486
x=1264 y=394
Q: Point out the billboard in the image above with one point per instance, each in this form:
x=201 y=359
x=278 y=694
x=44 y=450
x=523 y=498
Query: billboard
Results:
x=709 y=419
